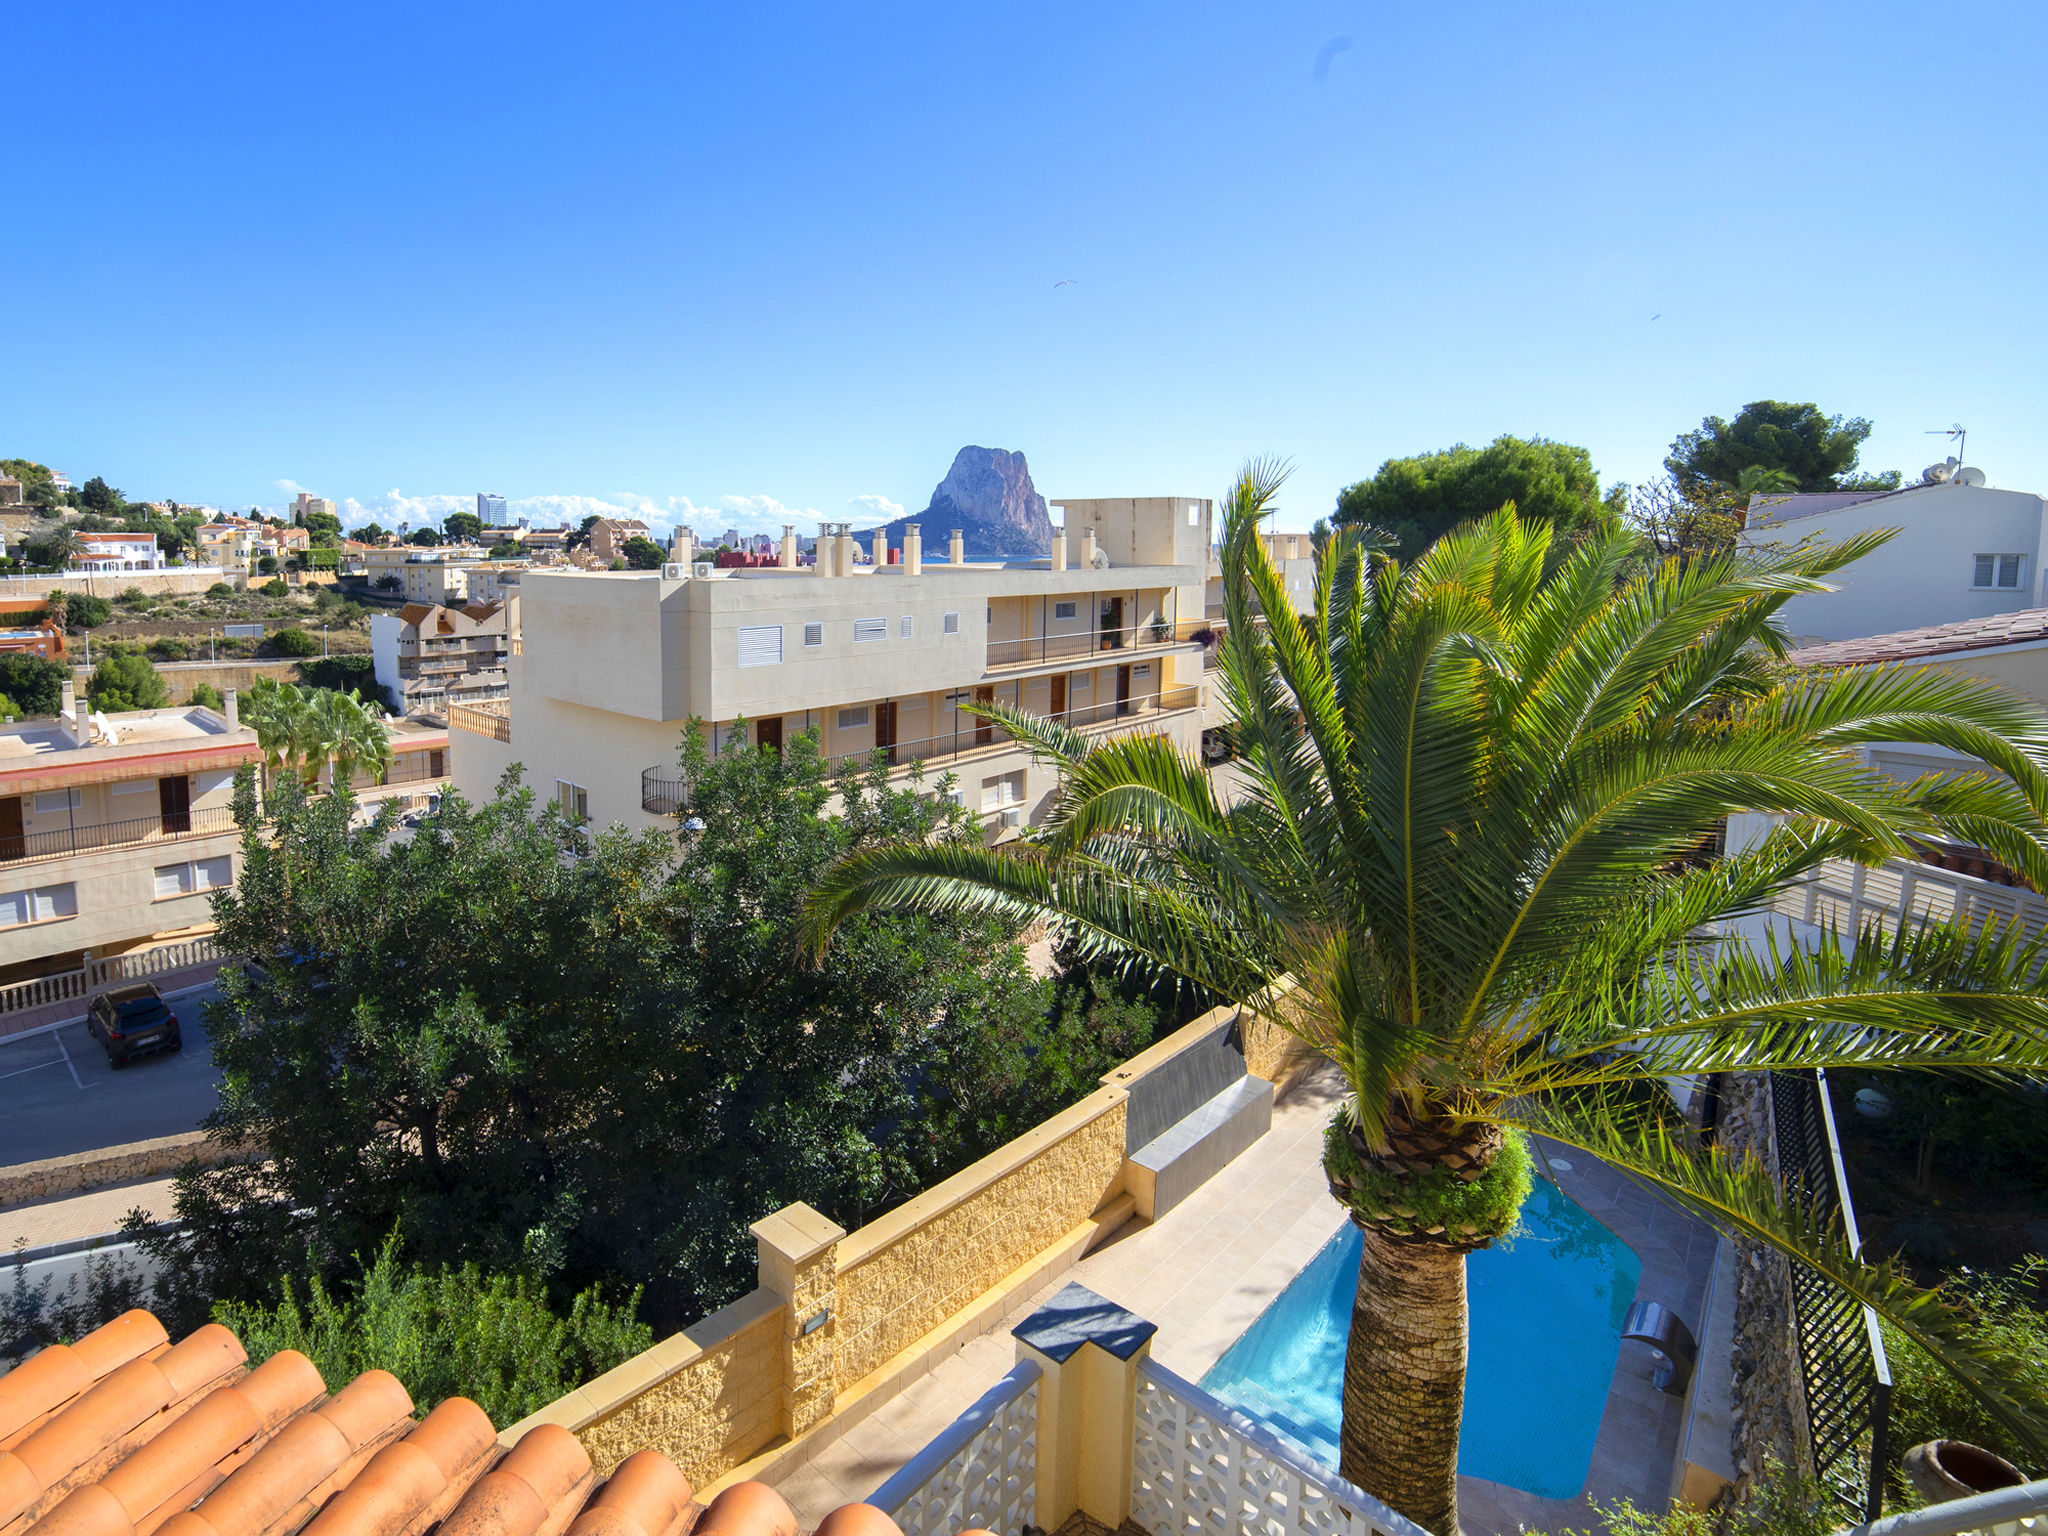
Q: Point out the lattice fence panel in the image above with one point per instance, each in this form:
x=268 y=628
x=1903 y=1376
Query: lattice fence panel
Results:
x=990 y=1483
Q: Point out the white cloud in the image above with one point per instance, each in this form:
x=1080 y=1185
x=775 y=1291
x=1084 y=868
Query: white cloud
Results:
x=663 y=514
x=880 y=507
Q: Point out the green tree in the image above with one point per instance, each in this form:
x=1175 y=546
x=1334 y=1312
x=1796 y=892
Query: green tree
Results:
x=87 y=612
x=266 y=565
x=1467 y=868
x=33 y=683
x=445 y=1333
x=461 y=527
x=597 y=1068
x=642 y=554
x=207 y=696
x=325 y=528
x=1417 y=500
x=98 y=496
x=126 y=680
x=372 y=533
x=426 y=537
x=1817 y=452
x=580 y=539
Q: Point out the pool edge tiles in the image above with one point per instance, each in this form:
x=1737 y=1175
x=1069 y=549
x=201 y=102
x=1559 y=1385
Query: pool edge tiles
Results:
x=1546 y=1313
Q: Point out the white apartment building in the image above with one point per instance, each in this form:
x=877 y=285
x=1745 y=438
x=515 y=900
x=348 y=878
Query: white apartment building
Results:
x=1962 y=552
x=611 y=665
x=113 y=553
x=490 y=509
x=438 y=574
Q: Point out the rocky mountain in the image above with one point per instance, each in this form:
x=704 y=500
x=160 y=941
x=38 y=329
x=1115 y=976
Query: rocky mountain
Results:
x=988 y=495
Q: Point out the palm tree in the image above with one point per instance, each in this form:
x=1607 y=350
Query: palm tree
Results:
x=353 y=735
x=1472 y=868
x=1756 y=480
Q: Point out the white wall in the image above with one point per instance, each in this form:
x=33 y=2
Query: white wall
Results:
x=1923 y=575
x=385 y=629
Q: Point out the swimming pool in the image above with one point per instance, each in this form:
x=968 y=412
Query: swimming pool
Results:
x=1546 y=1327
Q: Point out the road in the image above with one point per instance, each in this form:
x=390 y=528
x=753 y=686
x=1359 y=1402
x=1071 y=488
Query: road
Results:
x=58 y=1095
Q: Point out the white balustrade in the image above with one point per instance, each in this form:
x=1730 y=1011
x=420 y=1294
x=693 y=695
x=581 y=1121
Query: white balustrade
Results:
x=1202 y=1469
x=981 y=1472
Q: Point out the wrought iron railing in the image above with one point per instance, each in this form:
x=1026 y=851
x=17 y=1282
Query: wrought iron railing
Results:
x=1090 y=642
x=982 y=736
x=661 y=795
x=1842 y=1365
x=164 y=827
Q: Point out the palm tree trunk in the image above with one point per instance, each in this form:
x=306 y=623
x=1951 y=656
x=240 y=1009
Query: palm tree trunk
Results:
x=1404 y=1378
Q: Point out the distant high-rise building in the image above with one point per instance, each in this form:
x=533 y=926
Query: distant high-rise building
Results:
x=490 y=509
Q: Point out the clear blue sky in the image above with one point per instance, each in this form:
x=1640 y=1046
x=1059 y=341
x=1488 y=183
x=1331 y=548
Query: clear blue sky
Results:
x=671 y=255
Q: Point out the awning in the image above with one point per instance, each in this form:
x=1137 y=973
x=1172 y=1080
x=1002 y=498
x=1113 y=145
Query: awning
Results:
x=54 y=772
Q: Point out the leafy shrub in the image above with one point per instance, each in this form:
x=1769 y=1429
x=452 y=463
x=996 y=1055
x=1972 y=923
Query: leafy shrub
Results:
x=126 y=681
x=266 y=564
x=32 y=1317
x=9 y=710
x=275 y=588
x=132 y=595
x=1928 y=1403
x=293 y=642
x=207 y=696
x=340 y=673
x=168 y=648
x=88 y=612
x=220 y=589
x=446 y=1333
x=33 y=683
x=1780 y=1503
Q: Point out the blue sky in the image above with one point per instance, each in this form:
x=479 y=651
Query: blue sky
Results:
x=718 y=262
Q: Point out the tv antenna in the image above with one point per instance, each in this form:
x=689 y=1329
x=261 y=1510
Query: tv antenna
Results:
x=1955 y=434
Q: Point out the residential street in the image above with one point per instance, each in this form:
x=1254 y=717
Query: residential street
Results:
x=60 y=1096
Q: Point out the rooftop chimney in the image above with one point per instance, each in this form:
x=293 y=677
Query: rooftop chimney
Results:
x=78 y=727
x=787 y=558
x=880 y=552
x=956 y=547
x=913 y=550
x=823 y=560
x=845 y=549
x=1059 y=548
x=231 y=709
x=1087 y=549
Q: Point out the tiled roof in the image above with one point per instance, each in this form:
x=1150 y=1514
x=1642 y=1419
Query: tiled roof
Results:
x=1967 y=635
x=127 y=1434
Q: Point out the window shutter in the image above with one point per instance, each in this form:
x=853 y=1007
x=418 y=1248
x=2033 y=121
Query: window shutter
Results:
x=173 y=880
x=14 y=908
x=761 y=645
x=870 y=629
x=853 y=719
x=2008 y=570
x=214 y=873
x=906 y=627
x=952 y=623
x=814 y=634
x=1984 y=564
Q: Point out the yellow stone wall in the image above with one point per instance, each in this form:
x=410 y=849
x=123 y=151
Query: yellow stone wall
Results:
x=903 y=1275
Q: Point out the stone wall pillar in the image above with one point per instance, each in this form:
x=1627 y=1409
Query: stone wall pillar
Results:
x=1087 y=1350
x=799 y=1262
x=1767 y=1412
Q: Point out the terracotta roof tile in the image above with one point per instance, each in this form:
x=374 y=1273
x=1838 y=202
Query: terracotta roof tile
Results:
x=125 y=1434
x=1938 y=639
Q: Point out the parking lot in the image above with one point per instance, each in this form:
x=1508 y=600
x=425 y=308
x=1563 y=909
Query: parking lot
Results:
x=58 y=1095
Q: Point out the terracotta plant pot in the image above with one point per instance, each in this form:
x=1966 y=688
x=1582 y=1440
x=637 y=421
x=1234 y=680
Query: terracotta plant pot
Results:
x=1954 y=1469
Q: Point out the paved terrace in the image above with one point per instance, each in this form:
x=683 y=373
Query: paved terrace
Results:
x=1214 y=1263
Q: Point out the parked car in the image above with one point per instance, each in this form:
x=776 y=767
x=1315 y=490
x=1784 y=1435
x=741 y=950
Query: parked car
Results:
x=133 y=1021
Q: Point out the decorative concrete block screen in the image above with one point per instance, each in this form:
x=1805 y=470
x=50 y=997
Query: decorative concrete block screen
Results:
x=980 y=1474
x=1200 y=1469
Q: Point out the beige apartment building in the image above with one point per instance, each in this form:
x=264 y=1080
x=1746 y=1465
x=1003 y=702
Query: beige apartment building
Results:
x=430 y=656
x=115 y=829
x=611 y=665
x=427 y=574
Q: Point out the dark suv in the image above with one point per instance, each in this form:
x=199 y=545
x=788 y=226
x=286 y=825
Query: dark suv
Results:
x=133 y=1021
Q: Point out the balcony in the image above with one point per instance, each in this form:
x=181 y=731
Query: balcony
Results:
x=1037 y=649
x=167 y=827
x=980 y=737
x=481 y=720
x=661 y=795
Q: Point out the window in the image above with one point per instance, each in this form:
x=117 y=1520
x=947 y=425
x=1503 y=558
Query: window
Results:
x=52 y=802
x=44 y=904
x=574 y=800
x=133 y=787
x=1992 y=571
x=952 y=623
x=906 y=627
x=1003 y=790
x=870 y=629
x=198 y=875
x=1194 y=514
x=1063 y=610
x=814 y=635
x=853 y=719
x=761 y=645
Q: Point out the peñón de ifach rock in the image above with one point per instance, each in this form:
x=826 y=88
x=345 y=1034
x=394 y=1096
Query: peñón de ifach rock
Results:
x=988 y=495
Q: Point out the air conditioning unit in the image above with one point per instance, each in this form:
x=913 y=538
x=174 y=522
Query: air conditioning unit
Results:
x=675 y=570
x=1013 y=817
x=701 y=568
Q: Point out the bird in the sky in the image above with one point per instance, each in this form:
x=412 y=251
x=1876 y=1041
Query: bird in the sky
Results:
x=1658 y=316
x=1063 y=282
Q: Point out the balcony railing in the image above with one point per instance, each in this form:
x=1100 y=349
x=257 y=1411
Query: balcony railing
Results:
x=1086 y=642
x=982 y=736
x=480 y=721
x=661 y=795
x=164 y=827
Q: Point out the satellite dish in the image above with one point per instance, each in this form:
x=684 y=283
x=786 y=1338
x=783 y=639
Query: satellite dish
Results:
x=1969 y=475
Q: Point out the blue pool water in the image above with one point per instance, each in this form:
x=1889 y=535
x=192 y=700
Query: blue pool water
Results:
x=1546 y=1327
